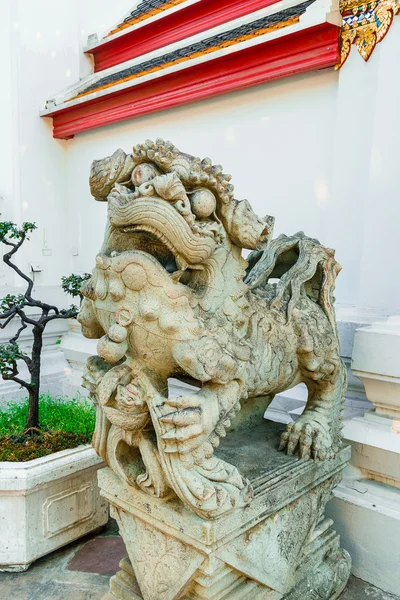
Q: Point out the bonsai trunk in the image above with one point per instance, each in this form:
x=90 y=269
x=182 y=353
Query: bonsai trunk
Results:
x=32 y=421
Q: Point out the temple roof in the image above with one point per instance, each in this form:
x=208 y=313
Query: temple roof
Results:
x=262 y=26
x=281 y=38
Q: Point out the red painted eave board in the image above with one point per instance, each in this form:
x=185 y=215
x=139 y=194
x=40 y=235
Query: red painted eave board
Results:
x=172 y=28
x=307 y=50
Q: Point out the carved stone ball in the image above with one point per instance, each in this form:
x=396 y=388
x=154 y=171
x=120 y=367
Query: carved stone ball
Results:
x=111 y=351
x=143 y=173
x=203 y=203
x=117 y=333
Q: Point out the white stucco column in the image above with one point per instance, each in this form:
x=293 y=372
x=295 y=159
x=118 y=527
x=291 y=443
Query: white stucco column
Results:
x=367 y=502
x=363 y=210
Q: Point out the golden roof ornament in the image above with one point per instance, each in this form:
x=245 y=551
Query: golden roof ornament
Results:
x=365 y=25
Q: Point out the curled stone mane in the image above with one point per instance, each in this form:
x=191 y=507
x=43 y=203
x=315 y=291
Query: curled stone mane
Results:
x=192 y=171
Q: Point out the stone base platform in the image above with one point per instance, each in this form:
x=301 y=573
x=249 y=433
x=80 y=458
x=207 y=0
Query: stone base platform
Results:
x=281 y=547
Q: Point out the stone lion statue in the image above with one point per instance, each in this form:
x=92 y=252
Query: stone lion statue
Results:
x=172 y=296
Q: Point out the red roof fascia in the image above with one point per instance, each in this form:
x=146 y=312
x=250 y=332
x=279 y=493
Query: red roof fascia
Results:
x=307 y=50
x=177 y=26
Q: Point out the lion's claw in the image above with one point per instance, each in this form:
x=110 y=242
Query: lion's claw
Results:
x=182 y=418
x=187 y=424
x=308 y=438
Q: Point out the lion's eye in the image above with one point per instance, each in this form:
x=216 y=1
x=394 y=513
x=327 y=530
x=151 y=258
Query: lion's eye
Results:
x=143 y=173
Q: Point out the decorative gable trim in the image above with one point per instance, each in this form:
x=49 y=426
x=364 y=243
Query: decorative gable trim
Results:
x=223 y=40
x=145 y=35
x=365 y=25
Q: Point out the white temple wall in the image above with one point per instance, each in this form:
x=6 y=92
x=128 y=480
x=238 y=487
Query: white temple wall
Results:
x=8 y=154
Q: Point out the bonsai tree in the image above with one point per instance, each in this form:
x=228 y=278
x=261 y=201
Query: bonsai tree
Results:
x=71 y=284
x=20 y=307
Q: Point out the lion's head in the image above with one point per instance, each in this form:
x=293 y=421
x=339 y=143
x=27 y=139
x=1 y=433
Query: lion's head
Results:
x=174 y=206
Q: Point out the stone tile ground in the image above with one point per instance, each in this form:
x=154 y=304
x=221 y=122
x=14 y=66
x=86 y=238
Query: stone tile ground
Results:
x=81 y=572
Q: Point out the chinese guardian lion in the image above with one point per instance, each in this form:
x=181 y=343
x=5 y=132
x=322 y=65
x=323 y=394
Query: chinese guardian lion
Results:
x=172 y=296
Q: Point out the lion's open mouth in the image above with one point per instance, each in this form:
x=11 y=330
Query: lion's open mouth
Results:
x=158 y=228
x=148 y=239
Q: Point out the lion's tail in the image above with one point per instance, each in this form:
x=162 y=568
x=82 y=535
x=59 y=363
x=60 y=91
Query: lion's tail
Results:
x=302 y=265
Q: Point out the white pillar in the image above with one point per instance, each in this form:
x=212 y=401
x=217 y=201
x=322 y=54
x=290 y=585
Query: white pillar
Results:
x=366 y=507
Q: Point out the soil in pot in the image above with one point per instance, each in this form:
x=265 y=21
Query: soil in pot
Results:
x=65 y=423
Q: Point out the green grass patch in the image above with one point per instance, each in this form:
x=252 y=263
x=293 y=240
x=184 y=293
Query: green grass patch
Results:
x=64 y=424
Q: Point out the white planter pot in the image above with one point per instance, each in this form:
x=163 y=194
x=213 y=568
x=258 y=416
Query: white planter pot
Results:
x=47 y=503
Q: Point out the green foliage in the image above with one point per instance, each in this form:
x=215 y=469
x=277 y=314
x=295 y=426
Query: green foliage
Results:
x=11 y=306
x=72 y=311
x=9 y=230
x=57 y=414
x=71 y=284
x=65 y=424
x=9 y=353
x=11 y=301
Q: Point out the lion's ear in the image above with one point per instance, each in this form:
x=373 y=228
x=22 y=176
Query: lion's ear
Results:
x=244 y=227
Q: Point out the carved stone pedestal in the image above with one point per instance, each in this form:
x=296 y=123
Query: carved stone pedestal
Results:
x=279 y=547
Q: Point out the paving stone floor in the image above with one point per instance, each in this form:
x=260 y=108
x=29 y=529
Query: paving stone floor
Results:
x=81 y=571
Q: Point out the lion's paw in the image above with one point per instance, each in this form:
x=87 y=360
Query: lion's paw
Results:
x=191 y=420
x=308 y=438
